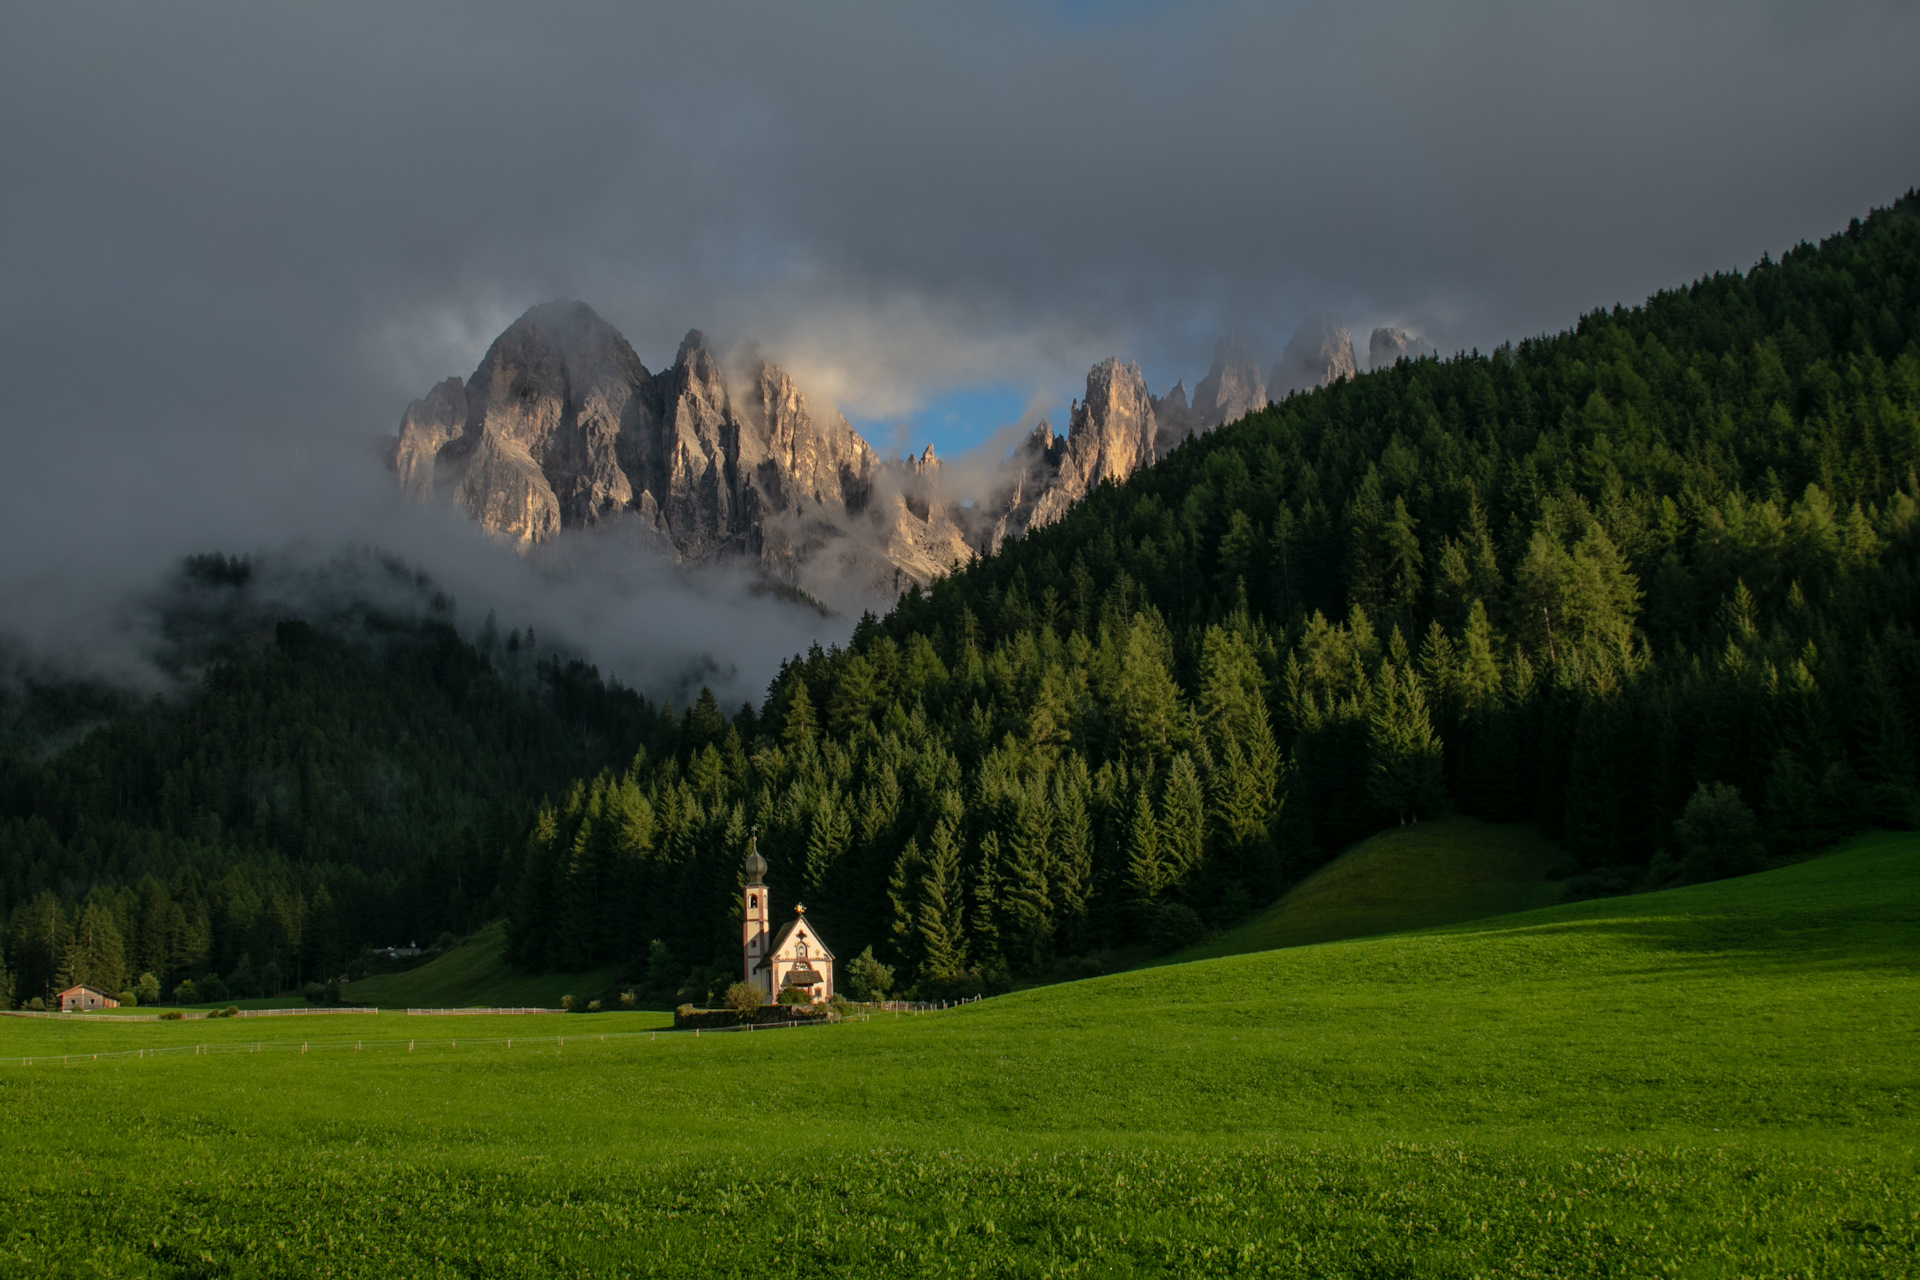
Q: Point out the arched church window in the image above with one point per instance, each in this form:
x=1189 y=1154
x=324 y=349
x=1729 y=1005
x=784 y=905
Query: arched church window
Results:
x=801 y=951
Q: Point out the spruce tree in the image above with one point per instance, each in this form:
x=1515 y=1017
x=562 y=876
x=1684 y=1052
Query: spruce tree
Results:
x=1148 y=876
x=1183 y=826
x=1026 y=880
x=941 y=914
x=1403 y=755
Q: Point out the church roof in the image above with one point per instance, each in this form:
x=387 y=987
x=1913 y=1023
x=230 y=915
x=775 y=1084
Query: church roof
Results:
x=787 y=931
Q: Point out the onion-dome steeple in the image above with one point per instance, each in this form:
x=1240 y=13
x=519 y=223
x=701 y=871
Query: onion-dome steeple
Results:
x=756 y=865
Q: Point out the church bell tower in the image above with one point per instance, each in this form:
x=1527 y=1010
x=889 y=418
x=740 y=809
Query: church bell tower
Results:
x=756 y=939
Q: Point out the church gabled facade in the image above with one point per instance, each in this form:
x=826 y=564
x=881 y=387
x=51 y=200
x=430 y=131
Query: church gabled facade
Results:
x=793 y=957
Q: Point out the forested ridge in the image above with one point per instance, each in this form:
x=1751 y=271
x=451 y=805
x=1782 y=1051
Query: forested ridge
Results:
x=323 y=790
x=1649 y=583
x=1645 y=579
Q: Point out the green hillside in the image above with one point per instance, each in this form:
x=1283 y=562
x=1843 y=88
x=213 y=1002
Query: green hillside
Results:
x=1714 y=1081
x=1435 y=872
x=473 y=974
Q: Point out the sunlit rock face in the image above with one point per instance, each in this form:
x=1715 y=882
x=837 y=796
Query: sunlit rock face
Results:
x=1387 y=346
x=561 y=427
x=1319 y=354
x=1111 y=433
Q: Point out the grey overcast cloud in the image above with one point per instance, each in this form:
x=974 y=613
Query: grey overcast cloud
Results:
x=235 y=240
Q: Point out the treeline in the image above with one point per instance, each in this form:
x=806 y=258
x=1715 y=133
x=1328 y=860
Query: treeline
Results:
x=324 y=791
x=1668 y=556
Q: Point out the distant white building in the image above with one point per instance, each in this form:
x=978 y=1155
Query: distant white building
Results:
x=795 y=957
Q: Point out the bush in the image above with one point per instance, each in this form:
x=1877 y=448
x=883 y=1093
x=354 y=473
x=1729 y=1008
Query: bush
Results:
x=567 y=1002
x=315 y=993
x=867 y=978
x=794 y=995
x=593 y=1006
x=148 y=989
x=37 y=1004
x=172 y=1015
x=129 y=999
x=703 y=983
x=742 y=996
x=1718 y=835
x=186 y=993
x=212 y=989
x=629 y=1000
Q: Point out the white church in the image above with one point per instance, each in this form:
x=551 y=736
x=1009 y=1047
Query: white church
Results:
x=793 y=958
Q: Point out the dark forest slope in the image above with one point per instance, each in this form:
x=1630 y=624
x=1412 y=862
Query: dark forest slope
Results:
x=321 y=790
x=1659 y=566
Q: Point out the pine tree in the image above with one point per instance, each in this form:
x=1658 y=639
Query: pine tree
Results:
x=827 y=838
x=705 y=725
x=903 y=900
x=1146 y=701
x=983 y=921
x=1183 y=828
x=1403 y=755
x=1026 y=881
x=800 y=725
x=1148 y=876
x=940 y=918
x=1073 y=849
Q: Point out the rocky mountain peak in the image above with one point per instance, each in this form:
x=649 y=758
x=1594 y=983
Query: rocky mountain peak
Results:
x=1232 y=388
x=1387 y=346
x=1111 y=432
x=1319 y=353
x=561 y=427
x=696 y=356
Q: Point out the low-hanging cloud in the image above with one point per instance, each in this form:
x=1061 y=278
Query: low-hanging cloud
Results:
x=235 y=240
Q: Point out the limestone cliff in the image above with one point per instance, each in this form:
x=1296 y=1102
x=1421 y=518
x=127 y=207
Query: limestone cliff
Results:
x=562 y=428
x=1110 y=434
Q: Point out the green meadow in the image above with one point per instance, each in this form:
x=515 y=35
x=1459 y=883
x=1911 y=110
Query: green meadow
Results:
x=473 y=973
x=1442 y=871
x=1711 y=1081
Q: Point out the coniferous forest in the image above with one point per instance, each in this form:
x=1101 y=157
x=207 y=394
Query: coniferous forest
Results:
x=323 y=791
x=1649 y=584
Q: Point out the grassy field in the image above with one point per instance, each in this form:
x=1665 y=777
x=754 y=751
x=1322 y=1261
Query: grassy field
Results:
x=1714 y=1081
x=474 y=974
x=1441 y=871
